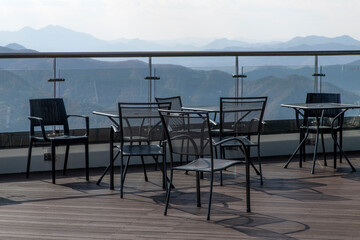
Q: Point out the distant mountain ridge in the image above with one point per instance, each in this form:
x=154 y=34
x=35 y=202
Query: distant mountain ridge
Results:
x=57 y=38
x=60 y=39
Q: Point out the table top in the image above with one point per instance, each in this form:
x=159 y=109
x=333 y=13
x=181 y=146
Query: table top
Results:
x=130 y=113
x=114 y=114
x=320 y=106
x=232 y=108
x=203 y=108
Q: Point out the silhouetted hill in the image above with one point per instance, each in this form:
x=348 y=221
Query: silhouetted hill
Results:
x=319 y=40
x=15 y=46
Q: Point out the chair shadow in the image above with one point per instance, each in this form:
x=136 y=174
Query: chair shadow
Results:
x=354 y=176
x=259 y=226
x=180 y=198
x=251 y=224
x=297 y=189
x=6 y=201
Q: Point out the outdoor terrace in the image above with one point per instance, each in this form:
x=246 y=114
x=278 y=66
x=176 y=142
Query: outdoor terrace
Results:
x=292 y=204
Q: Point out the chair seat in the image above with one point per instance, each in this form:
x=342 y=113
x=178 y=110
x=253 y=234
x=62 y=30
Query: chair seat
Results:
x=63 y=138
x=141 y=150
x=203 y=165
x=324 y=129
x=226 y=132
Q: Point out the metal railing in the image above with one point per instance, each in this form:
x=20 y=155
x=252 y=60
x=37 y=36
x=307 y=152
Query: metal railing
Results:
x=238 y=76
x=160 y=54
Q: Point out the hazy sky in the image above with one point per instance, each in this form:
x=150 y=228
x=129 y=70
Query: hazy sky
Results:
x=259 y=20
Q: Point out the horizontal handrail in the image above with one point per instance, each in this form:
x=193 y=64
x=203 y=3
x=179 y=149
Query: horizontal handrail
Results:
x=177 y=54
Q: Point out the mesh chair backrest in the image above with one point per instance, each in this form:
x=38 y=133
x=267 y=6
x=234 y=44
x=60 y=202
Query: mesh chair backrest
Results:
x=188 y=133
x=323 y=98
x=241 y=116
x=175 y=102
x=51 y=110
x=140 y=122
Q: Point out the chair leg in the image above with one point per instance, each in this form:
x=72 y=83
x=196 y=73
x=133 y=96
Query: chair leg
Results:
x=259 y=162
x=87 y=160
x=111 y=163
x=156 y=159
x=302 y=144
x=106 y=170
x=210 y=195
x=301 y=149
x=168 y=192
x=53 y=162
x=315 y=152
x=29 y=159
x=143 y=165
x=126 y=166
x=304 y=151
x=198 y=199
x=181 y=159
x=122 y=176
x=221 y=178
x=255 y=169
x=222 y=153
x=66 y=159
x=335 y=149
x=164 y=172
x=341 y=144
x=247 y=173
x=323 y=148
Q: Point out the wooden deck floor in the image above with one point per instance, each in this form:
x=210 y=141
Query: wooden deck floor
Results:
x=292 y=204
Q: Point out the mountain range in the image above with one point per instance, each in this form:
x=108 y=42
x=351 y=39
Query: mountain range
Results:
x=57 y=38
x=60 y=39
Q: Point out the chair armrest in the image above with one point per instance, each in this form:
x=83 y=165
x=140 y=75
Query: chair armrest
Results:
x=243 y=141
x=41 y=123
x=262 y=121
x=115 y=128
x=86 y=121
x=76 y=115
x=213 y=124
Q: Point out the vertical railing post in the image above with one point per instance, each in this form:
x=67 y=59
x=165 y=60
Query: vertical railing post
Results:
x=150 y=81
x=239 y=87
x=54 y=66
x=316 y=74
x=151 y=86
x=237 y=76
x=54 y=81
x=320 y=83
x=242 y=82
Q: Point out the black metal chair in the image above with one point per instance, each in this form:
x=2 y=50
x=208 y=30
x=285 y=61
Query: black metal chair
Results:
x=242 y=117
x=138 y=131
x=326 y=125
x=176 y=104
x=188 y=133
x=175 y=101
x=45 y=113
